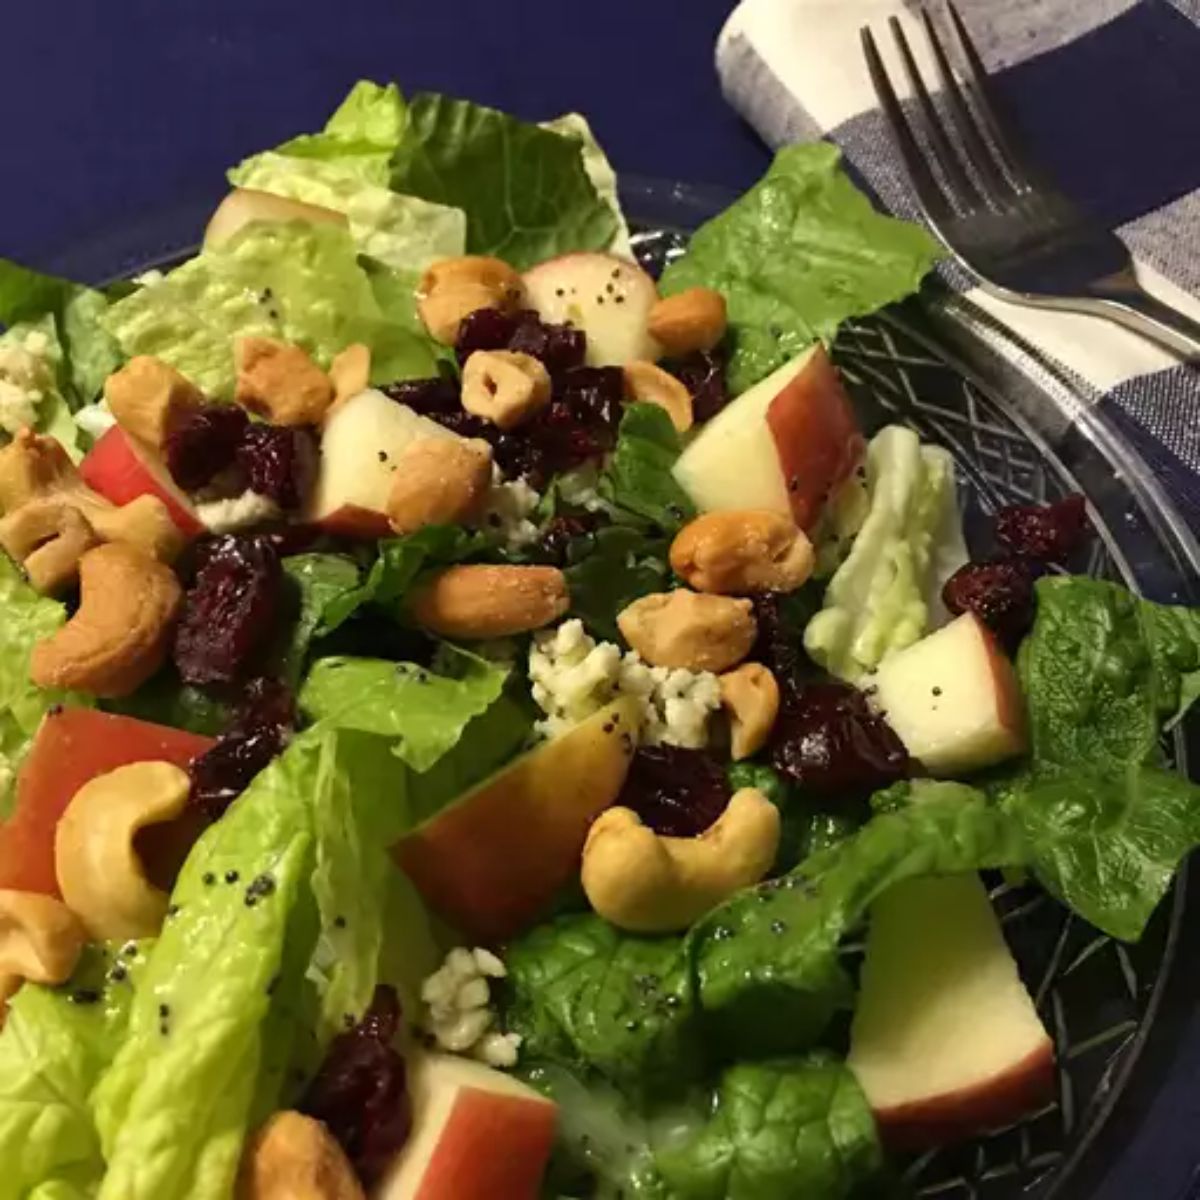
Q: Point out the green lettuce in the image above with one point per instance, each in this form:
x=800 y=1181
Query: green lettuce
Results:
x=297 y=282
x=766 y=961
x=55 y=1044
x=779 y=1129
x=525 y=190
x=315 y=582
x=33 y=384
x=877 y=600
x=637 y=479
x=599 y=171
x=1101 y=672
x=587 y=996
x=25 y=618
x=608 y=570
x=797 y=255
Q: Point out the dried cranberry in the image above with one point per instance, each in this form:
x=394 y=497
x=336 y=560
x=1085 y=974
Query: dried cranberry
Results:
x=559 y=347
x=279 y=463
x=258 y=733
x=778 y=644
x=484 y=329
x=703 y=374
x=204 y=444
x=999 y=593
x=360 y=1091
x=229 y=611
x=676 y=792
x=829 y=741
x=432 y=397
x=1047 y=532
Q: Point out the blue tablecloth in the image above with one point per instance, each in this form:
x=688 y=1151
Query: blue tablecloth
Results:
x=127 y=106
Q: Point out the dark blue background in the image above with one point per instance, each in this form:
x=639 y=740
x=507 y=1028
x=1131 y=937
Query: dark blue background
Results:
x=119 y=107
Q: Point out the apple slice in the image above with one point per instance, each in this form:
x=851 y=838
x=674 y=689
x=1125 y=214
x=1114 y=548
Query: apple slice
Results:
x=946 y=1041
x=493 y=860
x=362 y=438
x=609 y=298
x=952 y=698
x=785 y=444
x=244 y=205
x=121 y=470
x=477 y=1134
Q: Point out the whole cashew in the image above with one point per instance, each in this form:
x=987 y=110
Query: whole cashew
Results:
x=149 y=398
x=40 y=937
x=504 y=387
x=280 y=381
x=453 y=288
x=99 y=872
x=646 y=883
x=696 y=631
x=648 y=383
x=750 y=695
x=438 y=481
x=350 y=372
x=739 y=552
x=48 y=538
x=294 y=1157
x=118 y=636
x=10 y=985
x=694 y=319
x=485 y=601
x=31 y=466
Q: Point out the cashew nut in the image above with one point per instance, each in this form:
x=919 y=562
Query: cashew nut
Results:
x=149 y=398
x=143 y=523
x=40 y=937
x=697 y=631
x=99 y=871
x=742 y=551
x=48 y=538
x=10 y=985
x=491 y=601
x=294 y=1157
x=504 y=387
x=350 y=371
x=438 y=481
x=688 y=321
x=280 y=382
x=750 y=695
x=647 y=383
x=640 y=881
x=31 y=466
x=118 y=636
x=453 y=288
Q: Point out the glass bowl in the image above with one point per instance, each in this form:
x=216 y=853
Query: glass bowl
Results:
x=1125 y=1019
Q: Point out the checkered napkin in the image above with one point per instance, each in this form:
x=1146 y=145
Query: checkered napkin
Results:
x=1107 y=93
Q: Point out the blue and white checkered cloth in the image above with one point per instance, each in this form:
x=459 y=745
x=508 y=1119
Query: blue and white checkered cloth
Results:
x=1107 y=93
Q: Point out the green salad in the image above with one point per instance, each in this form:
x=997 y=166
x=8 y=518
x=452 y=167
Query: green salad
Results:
x=465 y=690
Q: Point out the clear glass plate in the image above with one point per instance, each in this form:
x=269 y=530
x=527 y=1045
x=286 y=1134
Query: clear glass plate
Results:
x=1123 y=1017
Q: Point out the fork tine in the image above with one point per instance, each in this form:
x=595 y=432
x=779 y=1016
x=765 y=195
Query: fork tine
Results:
x=980 y=156
x=945 y=155
x=930 y=196
x=1000 y=130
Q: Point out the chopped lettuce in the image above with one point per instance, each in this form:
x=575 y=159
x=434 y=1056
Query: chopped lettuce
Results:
x=877 y=600
x=638 y=479
x=55 y=1044
x=610 y=569
x=315 y=581
x=296 y=282
x=537 y=200
x=798 y=254
x=32 y=370
x=25 y=618
x=1101 y=672
x=766 y=961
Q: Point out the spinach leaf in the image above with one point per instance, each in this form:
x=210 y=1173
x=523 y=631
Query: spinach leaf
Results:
x=167 y=700
x=793 y=819
x=638 y=477
x=587 y=996
x=795 y=256
x=766 y=961
x=779 y=1129
x=318 y=581
x=616 y=565
x=537 y=200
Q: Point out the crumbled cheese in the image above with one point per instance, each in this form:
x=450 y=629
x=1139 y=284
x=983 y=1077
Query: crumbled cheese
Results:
x=572 y=676
x=506 y=512
x=239 y=512
x=578 y=488
x=25 y=377
x=95 y=419
x=149 y=278
x=459 y=1012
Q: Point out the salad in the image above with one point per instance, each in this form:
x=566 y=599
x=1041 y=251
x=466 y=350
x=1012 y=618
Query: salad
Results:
x=463 y=698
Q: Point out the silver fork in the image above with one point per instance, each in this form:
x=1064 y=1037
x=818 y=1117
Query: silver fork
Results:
x=997 y=211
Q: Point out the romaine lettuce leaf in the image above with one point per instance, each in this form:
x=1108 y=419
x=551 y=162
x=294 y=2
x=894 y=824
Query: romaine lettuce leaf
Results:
x=779 y=1129
x=525 y=190
x=25 y=618
x=637 y=479
x=795 y=256
x=297 y=282
x=766 y=961
x=877 y=600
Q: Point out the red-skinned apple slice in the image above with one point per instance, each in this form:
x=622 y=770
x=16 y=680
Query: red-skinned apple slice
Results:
x=952 y=698
x=121 y=470
x=946 y=1041
x=609 y=298
x=477 y=1134
x=361 y=440
x=785 y=444
x=245 y=205
x=490 y=862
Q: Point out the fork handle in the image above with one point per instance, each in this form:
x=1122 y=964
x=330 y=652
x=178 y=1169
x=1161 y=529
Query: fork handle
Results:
x=1128 y=303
